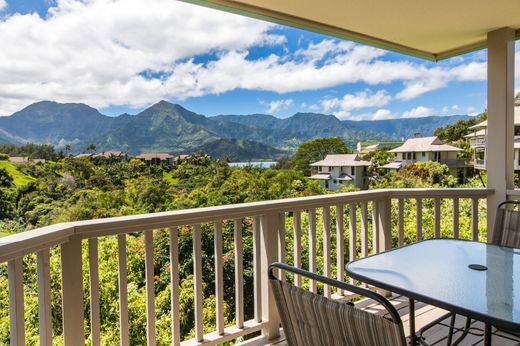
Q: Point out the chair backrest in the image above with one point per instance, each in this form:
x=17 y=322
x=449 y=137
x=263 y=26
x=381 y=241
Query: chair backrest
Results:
x=309 y=319
x=507 y=225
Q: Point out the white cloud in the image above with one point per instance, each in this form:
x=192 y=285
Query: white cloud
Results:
x=278 y=105
x=134 y=52
x=96 y=51
x=418 y=112
x=3 y=5
x=363 y=99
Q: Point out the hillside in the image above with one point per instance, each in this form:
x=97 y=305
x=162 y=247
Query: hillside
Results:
x=170 y=127
x=19 y=178
x=56 y=123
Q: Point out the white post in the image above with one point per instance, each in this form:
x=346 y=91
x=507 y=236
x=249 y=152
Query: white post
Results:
x=500 y=130
x=269 y=254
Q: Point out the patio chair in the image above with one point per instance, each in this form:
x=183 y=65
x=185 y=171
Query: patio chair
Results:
x=309 y=319
x=506 y=231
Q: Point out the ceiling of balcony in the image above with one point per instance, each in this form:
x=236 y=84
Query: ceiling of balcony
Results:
x=429 y=29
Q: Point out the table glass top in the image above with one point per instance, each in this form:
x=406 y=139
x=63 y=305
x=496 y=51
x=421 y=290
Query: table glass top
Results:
x=438 y=269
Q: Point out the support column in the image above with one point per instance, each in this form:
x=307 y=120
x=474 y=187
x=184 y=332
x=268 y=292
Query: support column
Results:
x=500 y=130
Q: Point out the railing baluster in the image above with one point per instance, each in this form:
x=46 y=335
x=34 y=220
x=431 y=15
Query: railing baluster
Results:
x=93 y=264
x=72 y=292
x=312 y=247
x=174 y=283
x=16 y=302
x=340 y=247
x=44 y=297
x=197 y=277
x=257 y=275
x=239 y=275
x=123 y=291
x=326 y=248
x=297 y=220
x=455 y=217
x=219 y=278
x=352 y=234
x=281 y=243
x=150 y=288
x=364 y=229
x=375 y=229
x=474 y=218
x=437 y=218
x=418 y=228
x=400 y=221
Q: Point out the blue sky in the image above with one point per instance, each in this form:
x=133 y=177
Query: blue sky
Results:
x=124 y=55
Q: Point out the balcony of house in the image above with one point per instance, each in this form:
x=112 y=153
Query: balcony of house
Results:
x=319 y=233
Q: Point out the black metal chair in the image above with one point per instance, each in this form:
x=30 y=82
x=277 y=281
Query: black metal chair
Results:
x=309 y=319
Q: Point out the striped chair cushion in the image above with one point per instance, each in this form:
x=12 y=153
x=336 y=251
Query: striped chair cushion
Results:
x=507 y=228
x=313 y=320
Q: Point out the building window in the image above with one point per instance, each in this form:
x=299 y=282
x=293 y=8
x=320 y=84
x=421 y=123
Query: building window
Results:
x=414 y=155
x=335 y=181
x=352 y=171
x=423 y=154
x=326 y=184
x=319 y=168
x=330 y=169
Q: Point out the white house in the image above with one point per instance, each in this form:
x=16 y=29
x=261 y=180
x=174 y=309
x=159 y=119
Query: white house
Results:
x=427 y=149
x=478 y=140
x=337 y=171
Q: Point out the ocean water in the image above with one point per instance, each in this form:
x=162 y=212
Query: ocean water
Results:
x=260 y=164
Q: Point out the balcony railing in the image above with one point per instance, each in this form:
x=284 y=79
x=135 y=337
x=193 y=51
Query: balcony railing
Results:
x=479 y=164
x=377 y=217
x=478 y=142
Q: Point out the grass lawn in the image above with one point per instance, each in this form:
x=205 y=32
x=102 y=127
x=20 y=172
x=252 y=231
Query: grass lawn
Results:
x=20 y=179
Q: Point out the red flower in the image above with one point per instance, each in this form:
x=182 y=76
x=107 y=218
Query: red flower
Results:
x=167 y=267
x=184 y=229
x=225 y=258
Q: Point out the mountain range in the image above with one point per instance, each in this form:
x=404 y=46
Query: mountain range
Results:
x=172 y=128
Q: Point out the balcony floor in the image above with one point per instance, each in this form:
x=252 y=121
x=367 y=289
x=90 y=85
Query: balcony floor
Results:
x=436 y=335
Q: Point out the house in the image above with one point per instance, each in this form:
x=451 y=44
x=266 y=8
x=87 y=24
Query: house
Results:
x=156 y=158
x=24 y=159
x=477 y=140
x=83 y=155
x=370 y=147
x=427 y=149
x=112 y=154
x=337 y=171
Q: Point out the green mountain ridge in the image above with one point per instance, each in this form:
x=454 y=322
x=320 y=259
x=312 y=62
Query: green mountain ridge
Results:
x=170 y=127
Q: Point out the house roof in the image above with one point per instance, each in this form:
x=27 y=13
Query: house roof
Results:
x=344 y=176
x=150 y=156
x=424 y=144
x=393 y=165
x=341 y=160
x=431 y=30
x=321 y=176
x=83 y=155
x=110 y=153
x=18 y=159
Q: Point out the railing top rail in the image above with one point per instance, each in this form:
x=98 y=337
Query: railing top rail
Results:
x=30 y=241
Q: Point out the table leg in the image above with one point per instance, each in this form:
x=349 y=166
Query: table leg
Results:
x=487 y=334
x=411 y=319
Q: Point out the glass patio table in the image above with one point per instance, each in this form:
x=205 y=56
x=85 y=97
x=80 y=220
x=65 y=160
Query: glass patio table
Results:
x=477 y=280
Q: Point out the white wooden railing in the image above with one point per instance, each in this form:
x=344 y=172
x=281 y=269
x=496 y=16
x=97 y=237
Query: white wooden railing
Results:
x=370 y=217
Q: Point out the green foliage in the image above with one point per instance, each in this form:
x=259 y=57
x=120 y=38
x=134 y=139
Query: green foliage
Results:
x=315 y=150
x=455 y=132
x=17 y=177
x=31 y=150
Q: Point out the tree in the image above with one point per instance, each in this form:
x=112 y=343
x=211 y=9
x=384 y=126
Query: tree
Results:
x=455 y=132
x=315 y=150
x=91 y=147
x=67 y=149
